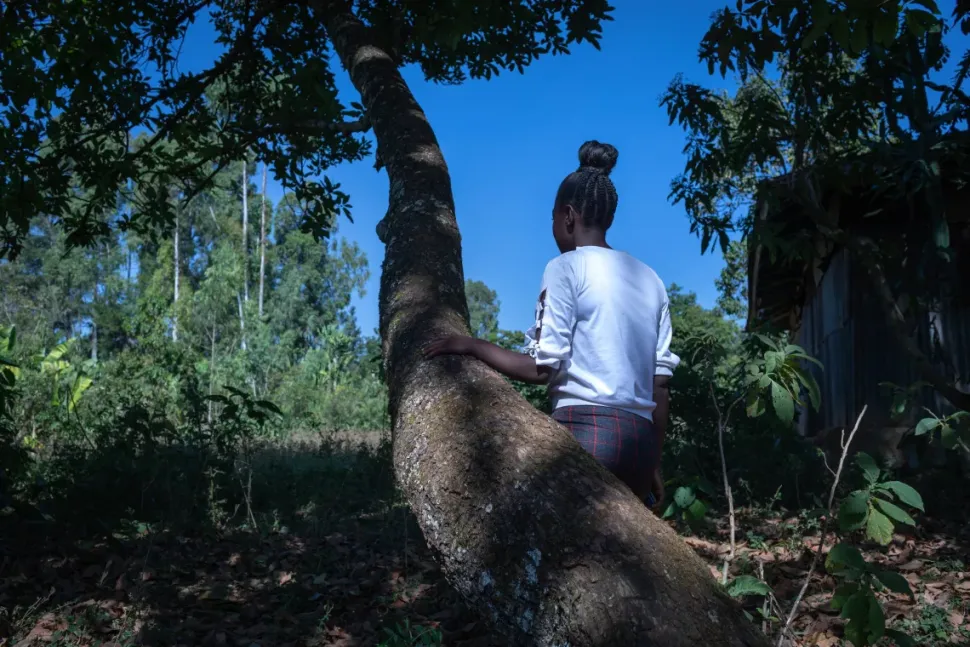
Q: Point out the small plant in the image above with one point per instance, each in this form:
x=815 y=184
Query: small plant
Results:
x=779 y=377
x=687 y=505
x=953 y=430
x=405 y=635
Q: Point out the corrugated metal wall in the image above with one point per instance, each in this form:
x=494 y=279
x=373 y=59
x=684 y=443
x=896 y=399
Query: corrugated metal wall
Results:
x=844 y=328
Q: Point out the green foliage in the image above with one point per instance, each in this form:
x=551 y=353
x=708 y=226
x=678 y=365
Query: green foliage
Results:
x=855 y=596
x=779 y=376
x=405 y=635
x=874 y=507
x=953 y=430
x=874 y=511
x=687 y=503
x=75 y=90
x=747 y=585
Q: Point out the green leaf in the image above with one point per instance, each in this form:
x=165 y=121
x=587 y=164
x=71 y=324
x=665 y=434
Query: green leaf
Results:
x=697 y=509
x=901 y=639
x=877 y=619
x=782 y=403
x=868 y=465
x=854 y=511
x=845 y=556
x=949 y=437
x=926 y=425
x=879 y=527
x=893 y=511
x=894 y=582
x=884 y=28
x=811 y=386
x=858 y=39
x=81 y=384
x=269 y=406
x=747 y=585
x=842 y=594
x=670 y=511
x=818 y=28
x=905 y=493
x=755 y=405
x=684 y=497
x=772 y=361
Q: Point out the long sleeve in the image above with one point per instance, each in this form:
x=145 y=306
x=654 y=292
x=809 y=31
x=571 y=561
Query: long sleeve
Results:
x=549 y=340
x=667 y=361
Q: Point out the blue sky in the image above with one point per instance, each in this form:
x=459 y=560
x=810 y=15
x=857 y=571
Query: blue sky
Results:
x=509 y=142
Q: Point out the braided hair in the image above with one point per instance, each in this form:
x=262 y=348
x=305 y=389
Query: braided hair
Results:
x=589 y=189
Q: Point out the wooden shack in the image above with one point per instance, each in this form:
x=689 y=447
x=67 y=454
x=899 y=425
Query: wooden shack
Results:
x=826 y=300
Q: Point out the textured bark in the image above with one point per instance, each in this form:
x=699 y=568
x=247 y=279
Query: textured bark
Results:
x=552 y=548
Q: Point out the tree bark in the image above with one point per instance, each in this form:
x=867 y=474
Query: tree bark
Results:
x=262 y=244
x=552 y=548
x=175 y=298
x=245 y=230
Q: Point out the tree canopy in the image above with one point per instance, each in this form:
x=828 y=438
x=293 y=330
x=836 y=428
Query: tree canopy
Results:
x=96 y=105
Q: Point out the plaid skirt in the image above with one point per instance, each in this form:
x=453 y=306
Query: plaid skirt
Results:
x=622 y=442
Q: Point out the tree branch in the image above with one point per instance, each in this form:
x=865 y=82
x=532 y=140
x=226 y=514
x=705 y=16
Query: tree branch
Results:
x=828 y=521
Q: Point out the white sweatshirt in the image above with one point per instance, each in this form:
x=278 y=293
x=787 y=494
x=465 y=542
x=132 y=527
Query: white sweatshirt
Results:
x=603 y=325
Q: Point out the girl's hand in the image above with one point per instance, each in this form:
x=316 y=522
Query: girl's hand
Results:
x=455 y=345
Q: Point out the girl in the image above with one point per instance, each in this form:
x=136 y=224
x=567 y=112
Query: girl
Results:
x=601 y=338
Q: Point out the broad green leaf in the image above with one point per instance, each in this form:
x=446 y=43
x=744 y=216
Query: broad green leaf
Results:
x=901 y=639
x=868 y=465
x=772 y=361
x=884 y=29
x=816 y=32
x=853 y=511
x=894 y=582
x=877 y=619
x=782 y=403
x=893 y=511
x=684 y=497
x=949 y=437
x=747 y=585
x=81 y=384
x=845 y=556
x=11 y=338
x=842 y=594
x=879 y=527
x=59 y=351
x=670 y=511
x=811 y=386
x=904 y=493
x=697 y=509
x=270 y=406
x=926 y=425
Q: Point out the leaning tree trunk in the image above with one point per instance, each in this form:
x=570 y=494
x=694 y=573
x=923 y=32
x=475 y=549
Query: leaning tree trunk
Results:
x=551 y=547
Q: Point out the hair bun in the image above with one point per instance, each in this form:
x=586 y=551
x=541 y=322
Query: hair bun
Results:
x=599 y=157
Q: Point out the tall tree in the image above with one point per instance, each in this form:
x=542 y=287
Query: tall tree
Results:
x=262 y=243
x=483 y=309
x=553 y=547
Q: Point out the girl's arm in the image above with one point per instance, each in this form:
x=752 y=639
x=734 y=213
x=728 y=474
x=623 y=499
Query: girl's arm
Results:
x=515 y=366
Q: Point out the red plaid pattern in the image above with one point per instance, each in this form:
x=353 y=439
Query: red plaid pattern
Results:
x=622 y=442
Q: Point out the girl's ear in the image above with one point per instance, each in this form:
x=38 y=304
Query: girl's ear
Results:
x=571 y=217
